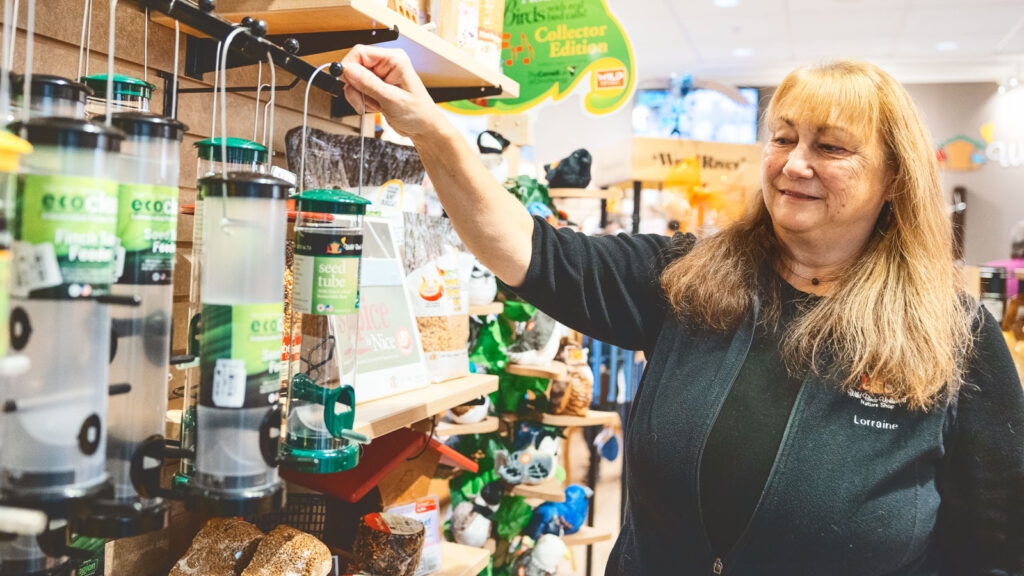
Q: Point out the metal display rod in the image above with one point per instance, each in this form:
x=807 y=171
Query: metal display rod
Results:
x=251 y=44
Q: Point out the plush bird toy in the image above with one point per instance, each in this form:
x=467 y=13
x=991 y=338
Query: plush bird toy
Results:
x=471 y=521
x=471 y=412
x=560 y=518
x=533 y=459
x=571 y=172
x=572 y=394
x=542 y=559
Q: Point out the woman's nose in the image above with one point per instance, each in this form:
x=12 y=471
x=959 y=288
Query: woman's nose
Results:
x=798 y=163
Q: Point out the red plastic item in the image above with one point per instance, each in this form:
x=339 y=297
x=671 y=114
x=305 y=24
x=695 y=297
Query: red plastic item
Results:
x=379 y=458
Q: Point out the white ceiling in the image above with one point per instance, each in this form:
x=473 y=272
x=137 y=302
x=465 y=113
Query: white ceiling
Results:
x=903 y=36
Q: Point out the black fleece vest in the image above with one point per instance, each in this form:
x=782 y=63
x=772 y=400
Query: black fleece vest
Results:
x=852 y=489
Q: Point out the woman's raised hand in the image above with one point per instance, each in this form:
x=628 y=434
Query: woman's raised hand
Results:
x=386 y=78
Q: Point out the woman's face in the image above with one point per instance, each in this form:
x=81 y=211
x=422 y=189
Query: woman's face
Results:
x=823 y=180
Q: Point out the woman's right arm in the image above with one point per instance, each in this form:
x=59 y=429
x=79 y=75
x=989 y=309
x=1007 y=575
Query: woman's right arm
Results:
x=604 y=287
x=489 y=220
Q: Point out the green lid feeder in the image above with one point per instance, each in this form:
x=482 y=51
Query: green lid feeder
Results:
x=128 y=94
x=49 y=96
x=237 y=155
x=238 y=415
x=214 y=158
x=147 y=229
x=325 y=308
x=64 y=261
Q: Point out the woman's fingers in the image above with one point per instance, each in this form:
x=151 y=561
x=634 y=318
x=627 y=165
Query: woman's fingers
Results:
x=358 y=77
x=391 y=65
x=356 y=99
x=391 y=86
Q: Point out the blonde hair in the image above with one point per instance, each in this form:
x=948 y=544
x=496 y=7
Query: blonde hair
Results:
x=897 y=315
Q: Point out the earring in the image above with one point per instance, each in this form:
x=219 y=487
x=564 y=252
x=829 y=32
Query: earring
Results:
x=885 y=219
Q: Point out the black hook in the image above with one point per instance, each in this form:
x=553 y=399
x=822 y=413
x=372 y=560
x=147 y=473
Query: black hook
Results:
x=146 y=465
x=292 y=46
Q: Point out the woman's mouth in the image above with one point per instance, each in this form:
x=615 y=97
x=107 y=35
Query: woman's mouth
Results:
x=798 y=195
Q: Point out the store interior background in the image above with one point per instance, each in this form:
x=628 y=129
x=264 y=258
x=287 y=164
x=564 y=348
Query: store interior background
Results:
x=959 y=59
x=952 y=56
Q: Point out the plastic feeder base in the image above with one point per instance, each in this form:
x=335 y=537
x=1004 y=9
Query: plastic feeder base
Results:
x=320 y=461
x=120 y=519
x=244 y=503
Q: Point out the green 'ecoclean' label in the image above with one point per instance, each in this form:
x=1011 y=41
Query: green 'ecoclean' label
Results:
x=147 y=221
x=65 y=239
x=240 y=355
x=326 y=272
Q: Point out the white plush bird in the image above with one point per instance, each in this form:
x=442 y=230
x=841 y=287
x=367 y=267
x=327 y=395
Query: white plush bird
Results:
x=471 y=412
x=471 y=521
x=542 y=559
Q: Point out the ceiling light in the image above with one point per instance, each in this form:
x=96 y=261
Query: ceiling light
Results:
x=725 y=3
x=947 y=46
x=743 y=52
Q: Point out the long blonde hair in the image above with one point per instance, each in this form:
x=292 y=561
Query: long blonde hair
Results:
x=897 y=315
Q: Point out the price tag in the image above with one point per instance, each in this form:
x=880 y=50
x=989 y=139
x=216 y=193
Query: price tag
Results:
x=229 y=383
x=35 y=267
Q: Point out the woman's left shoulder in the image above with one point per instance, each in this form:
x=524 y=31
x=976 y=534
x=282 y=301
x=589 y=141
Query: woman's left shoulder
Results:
x=990 y=371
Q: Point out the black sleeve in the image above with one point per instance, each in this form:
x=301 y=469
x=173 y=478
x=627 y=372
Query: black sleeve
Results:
x=981 y=518
x=606 y=287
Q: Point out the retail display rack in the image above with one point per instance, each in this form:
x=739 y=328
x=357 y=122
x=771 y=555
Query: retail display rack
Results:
x=302 y=34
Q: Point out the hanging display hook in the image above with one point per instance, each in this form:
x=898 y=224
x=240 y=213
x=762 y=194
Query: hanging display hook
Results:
x=82 y=53
x=111 y=31
x=174 y=80
x=226 y=223
x=271 y=102
x=216 y=84
x=30 y=40
x=5 y=62
x=259 y=88
x=305 y=115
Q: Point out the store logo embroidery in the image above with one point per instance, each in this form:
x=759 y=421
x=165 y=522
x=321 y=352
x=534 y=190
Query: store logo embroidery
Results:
x=871 y=394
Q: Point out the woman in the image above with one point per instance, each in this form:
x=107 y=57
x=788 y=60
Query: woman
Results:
x=820 y=396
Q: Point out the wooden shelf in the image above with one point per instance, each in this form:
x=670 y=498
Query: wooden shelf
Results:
x=379 y=417
x=487 y=309
x=553 y=371
x=586 y=536
x=607 y=194
x=593 y=418
x=459 y=560
x=485 y=426
x=550 y=491
x=439 y=63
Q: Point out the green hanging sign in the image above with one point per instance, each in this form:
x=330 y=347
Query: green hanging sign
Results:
x=550 y=46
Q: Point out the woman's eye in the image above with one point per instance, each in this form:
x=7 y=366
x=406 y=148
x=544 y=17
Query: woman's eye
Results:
x=832 y=148
x=781 y=140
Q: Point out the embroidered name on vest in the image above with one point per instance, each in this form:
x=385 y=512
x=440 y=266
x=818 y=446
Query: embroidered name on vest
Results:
x=880 y=424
